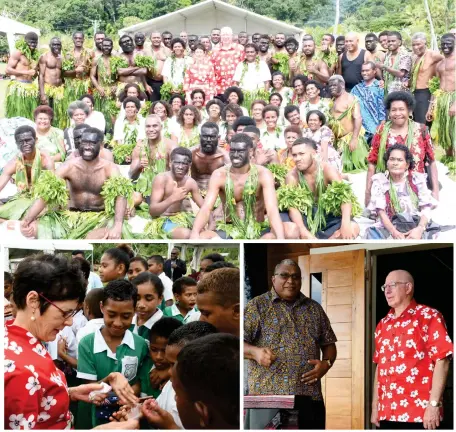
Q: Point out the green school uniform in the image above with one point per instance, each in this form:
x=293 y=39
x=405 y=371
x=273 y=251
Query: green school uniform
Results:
x=146 y=386
x=174 y=312
x=96 y=360
x=144 y=330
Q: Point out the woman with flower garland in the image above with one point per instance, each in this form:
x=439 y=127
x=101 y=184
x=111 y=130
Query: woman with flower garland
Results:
x=272 y=135
x=401 y=200
x=189 y=120
x=314 y=101
x=48 y=138
x=278 y=86
x=200 y=75
x=176 y=101
x=22 y=93
x=48 y=291
x=128 y=131
x=175 y=67
x=132 y=90
x=170 y=126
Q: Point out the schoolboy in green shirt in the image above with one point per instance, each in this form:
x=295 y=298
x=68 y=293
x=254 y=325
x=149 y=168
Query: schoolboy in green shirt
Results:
x=113 y=348
x=185 y=292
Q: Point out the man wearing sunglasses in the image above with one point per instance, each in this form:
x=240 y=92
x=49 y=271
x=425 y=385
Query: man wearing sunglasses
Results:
x=284 y=332
x=412 y=353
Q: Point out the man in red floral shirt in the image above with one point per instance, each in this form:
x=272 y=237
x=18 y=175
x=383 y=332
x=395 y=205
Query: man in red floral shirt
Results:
x=412 y=353
x=225 y=60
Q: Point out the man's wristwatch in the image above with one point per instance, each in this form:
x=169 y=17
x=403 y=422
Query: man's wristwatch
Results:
x=328 y=361
x=435 y=403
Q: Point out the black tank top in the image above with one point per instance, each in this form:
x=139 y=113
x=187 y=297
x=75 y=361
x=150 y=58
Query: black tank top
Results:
x=351 y=70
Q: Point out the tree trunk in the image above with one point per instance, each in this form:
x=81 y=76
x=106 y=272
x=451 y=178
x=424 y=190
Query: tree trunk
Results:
x=336 y=23
x=431 y=25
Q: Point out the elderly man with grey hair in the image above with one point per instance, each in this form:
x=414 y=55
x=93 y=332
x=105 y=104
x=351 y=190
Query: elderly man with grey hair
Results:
x=412 y=353
x=424 y=65
x=77 y=112
x=290 y=344
x=225 y=57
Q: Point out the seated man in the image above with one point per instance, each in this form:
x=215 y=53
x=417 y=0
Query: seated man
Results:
x=77 y=136
x=316 y=197
x=95 y=185
x=243 y=188
x=27 y=167
x=169 y=190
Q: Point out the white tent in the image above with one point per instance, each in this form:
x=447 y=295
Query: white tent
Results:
x=202 y=17
x=12 y=28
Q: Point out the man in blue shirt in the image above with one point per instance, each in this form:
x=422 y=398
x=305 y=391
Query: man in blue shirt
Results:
x=370 y=96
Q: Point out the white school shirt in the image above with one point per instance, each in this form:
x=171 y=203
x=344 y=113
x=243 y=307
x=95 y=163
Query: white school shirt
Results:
x=192 y=314
x=91 y=327
x=79 y=321
x=167 y=401
x=168 y=285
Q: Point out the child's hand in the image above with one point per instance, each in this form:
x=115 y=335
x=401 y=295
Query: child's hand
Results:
x=159 y=377
x=122 y=414
x=122 y=388
x=157 y=416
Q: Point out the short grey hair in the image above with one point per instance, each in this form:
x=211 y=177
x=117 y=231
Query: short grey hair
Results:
x=339 y=78
x=419 y=36
x=289 y=262
x=77 y=105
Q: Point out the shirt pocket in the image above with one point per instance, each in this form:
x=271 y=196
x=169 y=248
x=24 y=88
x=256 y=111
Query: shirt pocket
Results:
x=129 y=367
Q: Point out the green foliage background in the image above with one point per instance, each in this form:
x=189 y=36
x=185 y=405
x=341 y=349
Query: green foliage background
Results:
x=317 y=16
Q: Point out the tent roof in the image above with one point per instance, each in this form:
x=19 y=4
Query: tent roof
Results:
x=202 y=17
x=8 y=25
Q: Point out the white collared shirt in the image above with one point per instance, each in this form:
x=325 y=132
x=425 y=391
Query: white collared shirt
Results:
x=167 y=401
x=100 y=345
x=192 y=314
x=168 y=285
x=91 y=327
x=150 y=322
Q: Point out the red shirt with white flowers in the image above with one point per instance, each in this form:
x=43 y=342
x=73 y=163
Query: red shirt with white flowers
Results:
x=36 y=392
x=406 y=351
x=225 y=62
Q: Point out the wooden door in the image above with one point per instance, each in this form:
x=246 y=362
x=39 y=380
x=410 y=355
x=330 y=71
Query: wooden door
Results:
x=343 y=299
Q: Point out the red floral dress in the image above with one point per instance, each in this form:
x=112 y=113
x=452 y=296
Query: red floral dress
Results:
x=36 y=392
x=406 y=351
x=225 y=62
x=420 y=148
x=200 y=75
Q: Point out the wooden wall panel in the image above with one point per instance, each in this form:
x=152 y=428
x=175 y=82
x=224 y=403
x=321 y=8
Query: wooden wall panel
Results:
x=339 y=313
x=338 y=422
x=341 y=295
x=338 y=387
x=342 y=368
x=344 y=349
x=338 y=406
x=340 y=277
x=343 y=331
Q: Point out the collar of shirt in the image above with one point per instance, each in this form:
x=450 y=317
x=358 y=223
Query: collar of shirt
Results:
x=274 y=297
x=100 y=344
x=150 y=322
x=410 y=310
x=175 y=311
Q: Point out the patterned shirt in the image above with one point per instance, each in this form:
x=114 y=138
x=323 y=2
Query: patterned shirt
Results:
x=402 y=61
x=36 y=392
x=225 y=62
x=371 y=104
x=295 y=333
x=406 y=351
x=420 y=148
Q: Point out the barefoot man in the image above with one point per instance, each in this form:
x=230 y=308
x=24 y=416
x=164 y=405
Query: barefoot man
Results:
x=85 y=177
x=150 y=159
x=51 y=83
x=243 y=188
x=424 y=64
x=169 y=191
x=317 y=177
x=22 y=93
x=346 y=124
x=443 y=105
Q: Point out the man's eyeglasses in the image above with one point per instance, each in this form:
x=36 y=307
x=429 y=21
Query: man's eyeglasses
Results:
x=391 y=285
x=65 y=314
x=294 y=277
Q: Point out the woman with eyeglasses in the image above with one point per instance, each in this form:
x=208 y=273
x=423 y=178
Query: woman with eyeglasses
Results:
x=48 y=291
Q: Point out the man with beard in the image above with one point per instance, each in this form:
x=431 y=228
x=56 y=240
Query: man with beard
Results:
x=216 y=35
x=424 y=64
x=105 y=85
x=167 y=36
x=443 y=107
x=225 y=59
x=140 y=40
x=160 y=53
x=99 y=38
x=77 y=79
x=351 y=61
x=85 y=177
x=374 y=54
x=256 y=38
x=27 y=167
x=192 y=43
x=383 y=39
x=243 y=38
x=208 y=156
x=243 y=188
x=22 y=93
x=279 y=44
x=77 y=138
x=396 y=66
x=151 y=158
x=169 y=191
x=291 y=47
x=131 y=74
x=51 y=83
x=309 y=64
x=346 y=124
x=263 y=49
x=317 y=177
